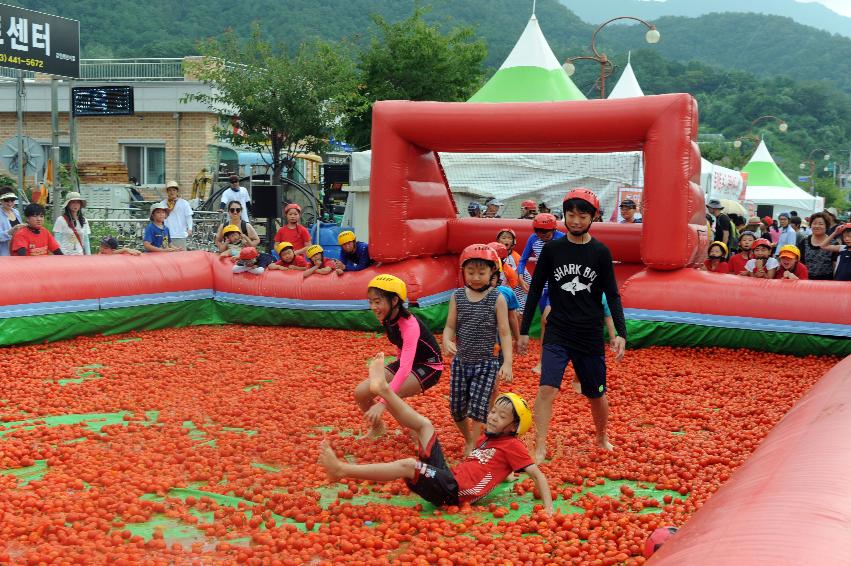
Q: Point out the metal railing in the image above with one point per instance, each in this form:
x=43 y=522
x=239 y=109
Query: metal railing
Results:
x=142 y=69
x=145 y=69
x=128 y=225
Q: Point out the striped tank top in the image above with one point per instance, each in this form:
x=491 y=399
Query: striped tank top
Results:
x=475 y=327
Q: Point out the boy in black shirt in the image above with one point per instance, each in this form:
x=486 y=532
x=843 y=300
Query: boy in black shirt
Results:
x=579 y=270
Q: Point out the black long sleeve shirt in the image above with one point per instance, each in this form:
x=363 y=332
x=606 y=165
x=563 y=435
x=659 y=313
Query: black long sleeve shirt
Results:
x=578 y=275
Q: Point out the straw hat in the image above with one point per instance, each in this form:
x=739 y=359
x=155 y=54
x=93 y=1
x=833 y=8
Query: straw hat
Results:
x=72 y=196
x=171 y=184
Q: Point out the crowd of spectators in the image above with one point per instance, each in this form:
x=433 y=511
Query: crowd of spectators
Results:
x=169 y=227
x=785 y=247
x=788 y=247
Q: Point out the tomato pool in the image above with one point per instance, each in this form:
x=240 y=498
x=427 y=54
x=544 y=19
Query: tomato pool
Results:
x=199 y=445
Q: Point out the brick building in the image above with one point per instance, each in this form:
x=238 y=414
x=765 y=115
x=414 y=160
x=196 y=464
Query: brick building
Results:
x=165 y=138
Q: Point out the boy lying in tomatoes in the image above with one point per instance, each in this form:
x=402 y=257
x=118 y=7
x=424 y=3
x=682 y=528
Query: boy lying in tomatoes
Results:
x=498 y=454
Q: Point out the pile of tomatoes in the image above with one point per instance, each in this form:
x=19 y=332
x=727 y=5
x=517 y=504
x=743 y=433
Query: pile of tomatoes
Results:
x=208 y=437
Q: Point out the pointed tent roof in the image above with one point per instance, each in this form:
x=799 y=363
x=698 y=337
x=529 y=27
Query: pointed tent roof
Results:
x=767 y=184
x=531 y=73
x=627 y=86
x=763 y=171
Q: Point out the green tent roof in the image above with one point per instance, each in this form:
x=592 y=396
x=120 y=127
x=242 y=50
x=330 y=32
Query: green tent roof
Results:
x=763 y=171
x=531 y=73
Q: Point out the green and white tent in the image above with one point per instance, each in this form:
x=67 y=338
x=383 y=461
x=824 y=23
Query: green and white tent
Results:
x=531 y=73
x=768 y=185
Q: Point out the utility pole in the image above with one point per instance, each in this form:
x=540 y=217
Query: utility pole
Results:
x=19 y=108
x=55 y=199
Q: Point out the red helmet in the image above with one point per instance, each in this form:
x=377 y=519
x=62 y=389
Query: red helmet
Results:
x=292 y=206
x=248 y=253
x=509 y=230
x=480 y=251
x=529 y=205
x=544 y=221
x=499 y=248
x=585 y=194
x=761 y=242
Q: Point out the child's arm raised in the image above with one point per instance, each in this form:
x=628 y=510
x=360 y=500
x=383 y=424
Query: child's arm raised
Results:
x=449 y=328
x=504 y=337
x=542 y=486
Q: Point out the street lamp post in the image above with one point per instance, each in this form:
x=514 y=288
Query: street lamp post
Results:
x=812 y=163
x=782 y=126
x=606 y=67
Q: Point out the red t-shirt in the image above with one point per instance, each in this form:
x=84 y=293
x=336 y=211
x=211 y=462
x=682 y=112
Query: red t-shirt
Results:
x=488 y=465
x=737 y=263
x=301 y=261
x=42 y=243
x=800 y=270
x=722 y=267
x=298 y=236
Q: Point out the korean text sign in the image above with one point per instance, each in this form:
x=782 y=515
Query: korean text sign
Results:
x=34 y=41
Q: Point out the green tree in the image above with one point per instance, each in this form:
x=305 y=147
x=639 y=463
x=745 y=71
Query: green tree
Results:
x=281 y=104
x=412 y=60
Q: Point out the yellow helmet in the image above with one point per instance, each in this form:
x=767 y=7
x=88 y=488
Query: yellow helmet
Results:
x=313 y=250
x=790 y=250
x=345 y=237
x=721 y=245
x=280 y=246
x=524 y=413
x=230 y=228
x=391 y=284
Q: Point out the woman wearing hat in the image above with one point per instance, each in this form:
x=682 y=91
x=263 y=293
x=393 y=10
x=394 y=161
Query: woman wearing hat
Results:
x=10 y=219
x=71 y=229
x=179 y=219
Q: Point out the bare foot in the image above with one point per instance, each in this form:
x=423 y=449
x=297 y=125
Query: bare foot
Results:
x=576 y=386
x=604 y=444
x=377 y=381
x=328 y=460
x=540 y=452
x=537 y=368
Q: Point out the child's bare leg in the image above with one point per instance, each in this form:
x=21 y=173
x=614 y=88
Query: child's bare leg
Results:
x=404 y=414
x=388 y=471
x=469 y=438
x=543 y=413
x=544 y=315
x=600 y=413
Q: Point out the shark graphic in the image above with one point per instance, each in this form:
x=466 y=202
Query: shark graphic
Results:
x=573 y=286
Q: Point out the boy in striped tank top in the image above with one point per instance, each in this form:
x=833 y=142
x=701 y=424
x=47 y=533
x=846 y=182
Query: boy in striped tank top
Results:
x=477 y=314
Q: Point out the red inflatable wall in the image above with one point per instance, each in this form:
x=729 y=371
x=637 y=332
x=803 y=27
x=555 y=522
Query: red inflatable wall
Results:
x=789 y=502
x=415 y=205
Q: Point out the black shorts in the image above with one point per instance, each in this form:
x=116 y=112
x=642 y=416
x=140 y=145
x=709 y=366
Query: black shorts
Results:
x=434 y=481
x=590 y=369
x=426 y=375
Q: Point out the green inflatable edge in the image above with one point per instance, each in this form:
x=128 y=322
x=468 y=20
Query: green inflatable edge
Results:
x=642 y=334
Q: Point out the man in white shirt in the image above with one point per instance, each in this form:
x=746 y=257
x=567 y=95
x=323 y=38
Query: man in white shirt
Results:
x=236 y=193
x=179 y=219
x=787 y=235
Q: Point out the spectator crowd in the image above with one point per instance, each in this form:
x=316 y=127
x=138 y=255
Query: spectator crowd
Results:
x=786 y=247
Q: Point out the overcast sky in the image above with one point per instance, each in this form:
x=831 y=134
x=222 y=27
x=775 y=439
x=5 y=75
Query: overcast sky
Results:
x=839 y=6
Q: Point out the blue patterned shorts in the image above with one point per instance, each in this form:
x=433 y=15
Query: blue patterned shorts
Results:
x=470 y=388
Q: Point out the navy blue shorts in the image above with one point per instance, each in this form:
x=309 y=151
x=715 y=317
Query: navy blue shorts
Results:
x=589 y=368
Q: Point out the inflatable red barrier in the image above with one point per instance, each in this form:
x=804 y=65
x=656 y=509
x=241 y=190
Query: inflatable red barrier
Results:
x=693 y=291
x=789 y=502
x=68 y=278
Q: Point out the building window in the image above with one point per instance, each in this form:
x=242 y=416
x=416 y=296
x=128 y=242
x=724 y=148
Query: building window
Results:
x=145 y=163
